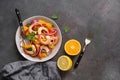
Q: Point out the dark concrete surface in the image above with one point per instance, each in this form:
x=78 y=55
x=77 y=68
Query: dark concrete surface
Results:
x=101 y=17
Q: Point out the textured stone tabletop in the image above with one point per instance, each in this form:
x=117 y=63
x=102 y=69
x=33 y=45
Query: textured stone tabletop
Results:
x=101 y=60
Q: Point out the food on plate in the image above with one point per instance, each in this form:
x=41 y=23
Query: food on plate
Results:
x=64 y=63
x=43 y=37
x=72 y=47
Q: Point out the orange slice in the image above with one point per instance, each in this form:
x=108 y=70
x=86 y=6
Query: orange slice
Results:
x=72 y=47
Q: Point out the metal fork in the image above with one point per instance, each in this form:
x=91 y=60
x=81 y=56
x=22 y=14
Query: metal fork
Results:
x=23 y=36
x=87 y=41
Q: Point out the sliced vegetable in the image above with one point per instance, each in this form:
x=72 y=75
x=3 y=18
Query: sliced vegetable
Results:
x=44 y=25
x=34 y=21
x=42 y=22
x=48 y=25
x=25 y=28
x=27 y=32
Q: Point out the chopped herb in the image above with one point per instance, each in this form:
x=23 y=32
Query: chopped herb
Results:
x=29 y=49
x=31 y=36
x=33 y=51
x=66 y=28
x=28 y=24
x=34 y=38
x=54 y=17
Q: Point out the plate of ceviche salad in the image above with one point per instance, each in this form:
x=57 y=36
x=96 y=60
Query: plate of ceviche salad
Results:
x=44 y=36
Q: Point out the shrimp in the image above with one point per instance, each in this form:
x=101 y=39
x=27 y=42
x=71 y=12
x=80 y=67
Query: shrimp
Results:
x=32 y=51
x=42 y=30
x=36 y=24
x=44 y=39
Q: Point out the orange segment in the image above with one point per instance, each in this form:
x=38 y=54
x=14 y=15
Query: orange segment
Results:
x=42 y=22
x=49 y=25
x=27 y=46
x=72 y=47
x=42 y=55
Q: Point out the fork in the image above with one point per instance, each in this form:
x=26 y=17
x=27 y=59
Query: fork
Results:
x=24 y=40
x=87 y=41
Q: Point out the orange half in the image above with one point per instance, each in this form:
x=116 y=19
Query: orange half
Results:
x=72 y=47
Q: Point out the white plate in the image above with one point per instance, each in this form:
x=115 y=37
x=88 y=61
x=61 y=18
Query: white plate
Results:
x=18 y=40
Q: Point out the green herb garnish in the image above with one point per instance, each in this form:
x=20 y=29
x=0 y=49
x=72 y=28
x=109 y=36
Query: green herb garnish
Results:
x=29 y=49
x=34 y=38
x=33 y=51
x=66 y=28
x=31 y=36
x=28 y=24
x=54 y=17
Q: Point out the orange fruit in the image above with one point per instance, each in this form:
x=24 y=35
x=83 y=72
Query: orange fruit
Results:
x=72 y=47
x=64 y=63
x=42 y=55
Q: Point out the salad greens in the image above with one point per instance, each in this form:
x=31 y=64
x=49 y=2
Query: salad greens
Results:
x=31 y=36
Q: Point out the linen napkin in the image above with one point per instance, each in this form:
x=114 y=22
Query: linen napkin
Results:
x=28 y=70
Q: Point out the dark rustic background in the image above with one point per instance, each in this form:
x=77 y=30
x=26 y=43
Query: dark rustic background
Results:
x=101 y=17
